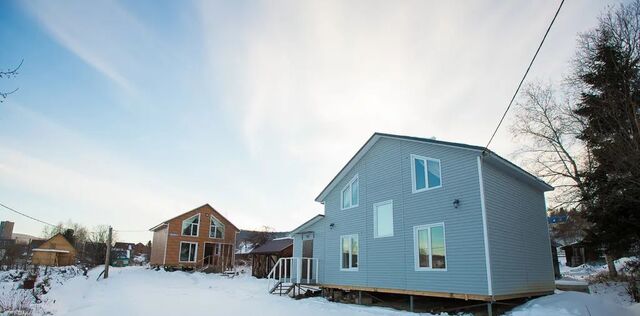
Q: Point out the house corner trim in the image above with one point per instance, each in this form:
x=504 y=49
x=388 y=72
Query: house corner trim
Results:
x=484 y=228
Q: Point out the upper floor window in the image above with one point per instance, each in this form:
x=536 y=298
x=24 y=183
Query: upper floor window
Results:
x=190 y=225
x=425 y=173
x=216 y=230
x=349 y=195
x=430 y=250
x=383 y=219
x=349 y=248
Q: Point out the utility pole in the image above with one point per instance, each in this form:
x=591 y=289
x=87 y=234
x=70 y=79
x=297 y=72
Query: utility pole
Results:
x=106 y=257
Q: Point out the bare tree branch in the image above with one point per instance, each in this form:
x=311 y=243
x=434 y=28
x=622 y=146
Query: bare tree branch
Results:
x=552 y=152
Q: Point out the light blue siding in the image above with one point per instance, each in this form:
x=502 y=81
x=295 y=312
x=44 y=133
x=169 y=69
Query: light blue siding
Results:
x=518 y=234
x=319 y=234
x=388 y=262
x=515 y=214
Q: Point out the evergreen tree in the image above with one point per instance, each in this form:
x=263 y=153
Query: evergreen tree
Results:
x=607 y=69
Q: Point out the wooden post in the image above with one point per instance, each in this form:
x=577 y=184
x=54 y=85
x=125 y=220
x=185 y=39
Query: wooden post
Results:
x=106 y=257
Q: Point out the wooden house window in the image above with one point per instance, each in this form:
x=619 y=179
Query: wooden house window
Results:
x=190 y=226
x=188 y=251
x=216 y=229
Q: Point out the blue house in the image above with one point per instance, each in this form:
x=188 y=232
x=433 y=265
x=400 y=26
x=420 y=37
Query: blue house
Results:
x=424 y=217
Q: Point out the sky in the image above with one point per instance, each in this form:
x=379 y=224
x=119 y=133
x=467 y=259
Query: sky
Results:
x=129 y=113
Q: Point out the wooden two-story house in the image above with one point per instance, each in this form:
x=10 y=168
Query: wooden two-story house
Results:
x=199 y=238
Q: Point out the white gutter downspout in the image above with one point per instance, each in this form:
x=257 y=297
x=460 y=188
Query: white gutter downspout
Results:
x=484 y=228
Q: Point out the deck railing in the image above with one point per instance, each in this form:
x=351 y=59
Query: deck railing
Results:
x=297 y=270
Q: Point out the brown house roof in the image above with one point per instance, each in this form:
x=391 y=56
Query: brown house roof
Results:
x=273 y=246
x=48 y=245
x=154 y=228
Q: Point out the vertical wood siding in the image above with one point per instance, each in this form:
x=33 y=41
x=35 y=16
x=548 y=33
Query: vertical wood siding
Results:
x=175 y=235
x=158 y=246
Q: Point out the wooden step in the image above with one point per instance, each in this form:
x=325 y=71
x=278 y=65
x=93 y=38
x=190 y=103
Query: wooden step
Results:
x=275 y=287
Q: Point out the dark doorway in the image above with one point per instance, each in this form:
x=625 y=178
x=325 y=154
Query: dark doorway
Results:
x=209 y=249
x=307 y=264
x=307 y=248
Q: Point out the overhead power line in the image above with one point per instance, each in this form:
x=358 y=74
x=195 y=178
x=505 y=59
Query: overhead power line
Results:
x=25 y=215
x=523 y=77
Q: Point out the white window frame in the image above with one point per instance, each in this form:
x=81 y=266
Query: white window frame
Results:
x=375 y=219
x=349 y=185
x=211 y=218
x=416 y=251
x=426 y=173
x=350 y=268
x=195 y=256
x=197 y=230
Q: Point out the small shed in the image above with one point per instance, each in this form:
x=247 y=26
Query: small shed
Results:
x=57 y=251
x=265 y=256
x=580 y=253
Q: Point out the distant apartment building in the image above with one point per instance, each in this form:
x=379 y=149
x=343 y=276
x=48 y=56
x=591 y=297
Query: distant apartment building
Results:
x=6 y=229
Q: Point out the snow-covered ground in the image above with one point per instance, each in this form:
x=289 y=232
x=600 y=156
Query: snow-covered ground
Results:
x=584 y=271
x=138 y=290
x=610 y=291
x=574 y=303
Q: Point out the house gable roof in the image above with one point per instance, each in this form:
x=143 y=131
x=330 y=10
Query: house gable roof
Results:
x=216 y=215
x=488 y=154
x=56 y=237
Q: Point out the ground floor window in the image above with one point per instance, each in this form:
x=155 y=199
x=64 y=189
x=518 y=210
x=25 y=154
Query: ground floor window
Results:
x=188 y=251
x=430 y=249
x=349 y=252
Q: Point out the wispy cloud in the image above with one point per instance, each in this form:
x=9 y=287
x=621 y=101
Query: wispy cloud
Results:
x=103 y=34
x=315 y=79
x=313 y=71
x=254 y=106
x=309 y=81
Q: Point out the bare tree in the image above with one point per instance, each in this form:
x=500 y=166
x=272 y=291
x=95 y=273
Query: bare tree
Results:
x=11 y=254
x=262 y=235
x=100 y=234
x=9 y=73
x=551 y=150
x=80 y=233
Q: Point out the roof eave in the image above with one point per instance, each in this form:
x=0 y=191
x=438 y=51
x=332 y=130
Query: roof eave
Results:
x=306 y=224
x=536 y=181
x=154 y=228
